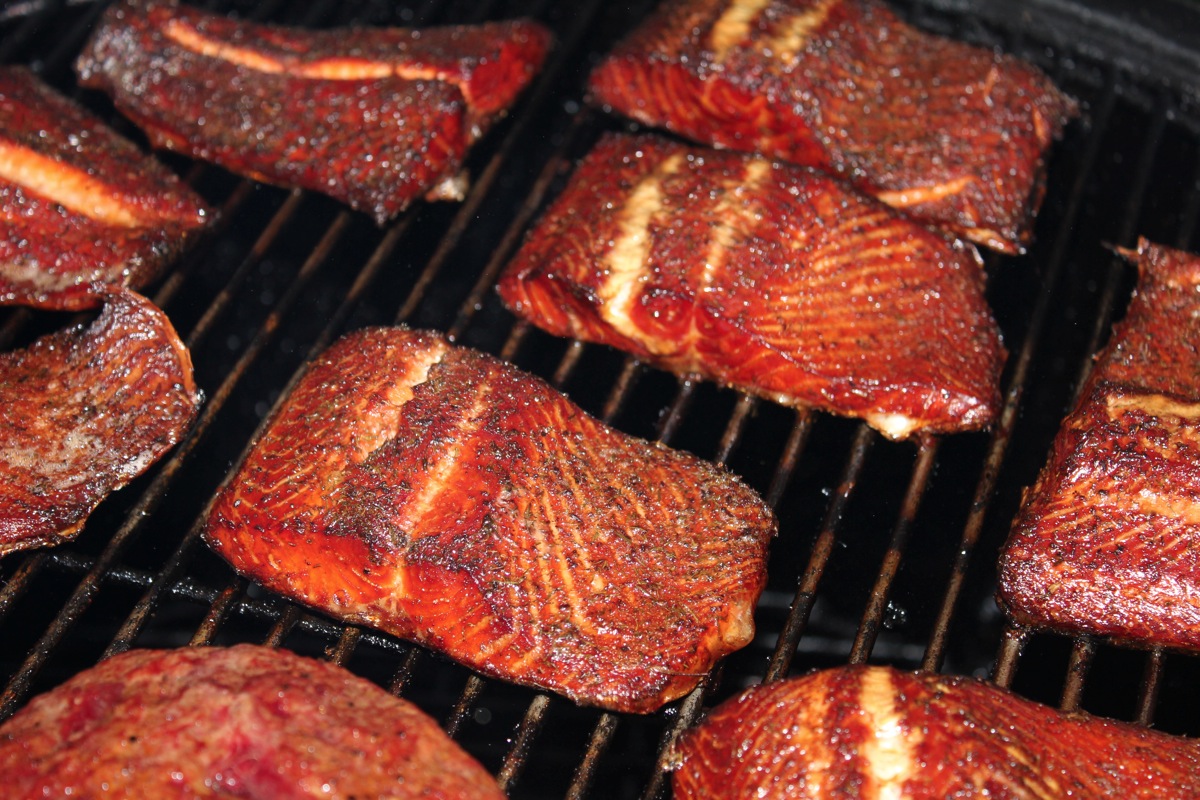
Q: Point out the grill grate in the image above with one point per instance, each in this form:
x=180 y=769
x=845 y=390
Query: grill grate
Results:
x=886 y=551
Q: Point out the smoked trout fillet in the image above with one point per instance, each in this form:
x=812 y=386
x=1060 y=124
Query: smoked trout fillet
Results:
x=777 y=280
x=444 y=496
x=952 y=134
x=85 y=411
x=244 y=721
x=375 y=118
x=874 y=732
x=79 y=205
x=1107 y=541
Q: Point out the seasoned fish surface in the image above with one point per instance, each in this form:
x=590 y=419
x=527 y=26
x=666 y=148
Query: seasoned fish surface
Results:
x=80 y=207
x=875 y=732
x=85 y=411
x=373 y=117
x=446 y=497
x=953 y=134
x=1107 y=540
x=774 y=279
x=243 y=721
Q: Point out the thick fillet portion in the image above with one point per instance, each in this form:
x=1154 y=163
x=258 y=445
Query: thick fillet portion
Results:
x=774 y=279
x=875 y=732
x=373 y=117
x=1107 y=540
x=79 y=205
x=446 y=497
x=243 y=721
x=85 y=411
x=953 y=134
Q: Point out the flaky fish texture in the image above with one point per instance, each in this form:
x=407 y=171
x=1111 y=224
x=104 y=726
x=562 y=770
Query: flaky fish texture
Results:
x=1107 y=541
x=444 y=496
x=85 y=411
x=778 y=280
x=375 y=118
x=243 y=721
x=874 y=732
x=953 y=134
x=80 y=206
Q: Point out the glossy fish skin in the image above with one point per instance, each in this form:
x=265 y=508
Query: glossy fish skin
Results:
x=1106 y=539
x=774 y=279
x=444 y=496
x=243 y=721
x=79 y=205
x=375 y=118
x=953 y=134
x=876 y=732
x=85 y=411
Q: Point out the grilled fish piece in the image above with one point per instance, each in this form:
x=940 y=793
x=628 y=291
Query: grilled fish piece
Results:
x=243 y=721
x=444 y=496
x=1107 y=539
x=79 y=205
x=774 y=279
x=875 y=732
x=85 y=411
x=373 y=117
x=950 y=133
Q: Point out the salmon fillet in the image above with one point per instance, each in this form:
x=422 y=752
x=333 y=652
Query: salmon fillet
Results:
x=375 y=118
x=875 y=732
x=777 y=280
x=80 y=206
x=244 y=721
x=1107 y=541
x=952 y=134
x=444 y=496
x=85 y=411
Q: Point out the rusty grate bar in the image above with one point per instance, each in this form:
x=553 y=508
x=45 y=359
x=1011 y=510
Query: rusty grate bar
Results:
x=810 y=579
x=872 y=619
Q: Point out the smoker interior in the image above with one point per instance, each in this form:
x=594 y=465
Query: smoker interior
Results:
x=886 y=551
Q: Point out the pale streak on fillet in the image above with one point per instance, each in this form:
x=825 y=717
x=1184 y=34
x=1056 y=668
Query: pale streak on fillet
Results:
x=330 y=69
x=914 y=195
x=422 y=502
x=628 y=260
x=1174 y=507
x=733 y=27
x=71 y=188
x=893 y=426
x=733 y=216
x=1156 y=405
x=797 y=30
x=889 y=751
x=379 y=427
